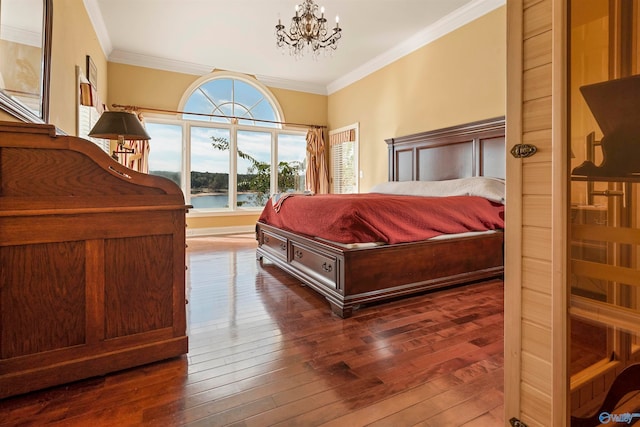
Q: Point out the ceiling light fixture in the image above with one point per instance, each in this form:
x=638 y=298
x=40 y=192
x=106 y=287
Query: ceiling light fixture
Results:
x=308 y=31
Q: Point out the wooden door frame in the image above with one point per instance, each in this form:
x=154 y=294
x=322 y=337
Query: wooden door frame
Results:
x=559 y=228
x=561 y=163
x=513 y=215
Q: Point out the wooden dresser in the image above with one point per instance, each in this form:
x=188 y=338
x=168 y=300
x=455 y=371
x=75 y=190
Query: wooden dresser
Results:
x=92 y=262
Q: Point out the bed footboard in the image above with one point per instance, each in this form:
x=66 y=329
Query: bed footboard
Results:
x=349 y=278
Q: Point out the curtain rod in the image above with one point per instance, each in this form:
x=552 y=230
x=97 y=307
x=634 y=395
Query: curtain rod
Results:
x=160 y=110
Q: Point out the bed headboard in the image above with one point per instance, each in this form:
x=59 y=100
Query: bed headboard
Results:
x=471 y=149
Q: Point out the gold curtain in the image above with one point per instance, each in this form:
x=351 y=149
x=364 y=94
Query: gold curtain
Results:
x=341 y=137
x=317 y=173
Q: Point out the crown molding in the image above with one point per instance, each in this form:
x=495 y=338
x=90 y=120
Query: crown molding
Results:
x=139 y=60
x=21 y=36
x=447 y=24
x=296 y=85
x=148 y=61
x=95 y=16
x=443 y=26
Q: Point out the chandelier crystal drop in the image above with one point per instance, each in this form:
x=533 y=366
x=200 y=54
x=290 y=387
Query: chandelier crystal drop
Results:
x=308 y=32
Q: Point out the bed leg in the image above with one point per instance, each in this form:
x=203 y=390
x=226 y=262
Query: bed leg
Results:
x=262 y=260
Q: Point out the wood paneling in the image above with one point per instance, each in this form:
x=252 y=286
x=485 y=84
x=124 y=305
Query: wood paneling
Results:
x=537 y=82
x=41 y=285
x=538 y=244
x=537 y=372
x=537 y=114
x=138 y=285
x=535 y=407
x=70 y=170
x=538 y=179
x=537 y=211
x=537 y=47
x=535 y=274
x=536 y=307
x=537 y=20
x=542 y=140
x=92 y=259
x=536 y=340
x=538 y=52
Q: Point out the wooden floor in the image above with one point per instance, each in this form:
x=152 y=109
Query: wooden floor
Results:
x=265 y=351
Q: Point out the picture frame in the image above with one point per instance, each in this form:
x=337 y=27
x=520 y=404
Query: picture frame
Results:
x=92 y=72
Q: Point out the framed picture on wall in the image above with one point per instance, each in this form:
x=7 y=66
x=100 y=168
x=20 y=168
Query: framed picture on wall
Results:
x=92 y=72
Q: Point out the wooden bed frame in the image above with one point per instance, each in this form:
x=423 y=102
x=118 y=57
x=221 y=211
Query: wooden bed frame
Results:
x=350 y=277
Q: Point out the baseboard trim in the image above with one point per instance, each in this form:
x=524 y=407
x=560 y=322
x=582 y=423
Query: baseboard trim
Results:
x=219 y=231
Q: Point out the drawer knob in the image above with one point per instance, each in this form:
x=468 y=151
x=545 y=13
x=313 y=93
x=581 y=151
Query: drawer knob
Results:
x=298 y=253
x=265 y=238
x=283 y=246
x=327 y=267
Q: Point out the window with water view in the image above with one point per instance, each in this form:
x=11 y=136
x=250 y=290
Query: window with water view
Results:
x=229 y=151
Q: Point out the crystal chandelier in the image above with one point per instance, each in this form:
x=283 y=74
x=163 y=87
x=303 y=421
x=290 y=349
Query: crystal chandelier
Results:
x=308 y=31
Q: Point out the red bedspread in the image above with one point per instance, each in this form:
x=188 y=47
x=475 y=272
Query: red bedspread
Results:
x=374 y=217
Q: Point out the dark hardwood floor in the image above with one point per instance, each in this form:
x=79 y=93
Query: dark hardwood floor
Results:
x=265 y=351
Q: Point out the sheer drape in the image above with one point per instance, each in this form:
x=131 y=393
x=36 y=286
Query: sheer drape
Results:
x=317 y=178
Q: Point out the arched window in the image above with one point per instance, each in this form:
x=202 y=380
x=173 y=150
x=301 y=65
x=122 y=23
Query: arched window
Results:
x=231 y=135
x=224 y=98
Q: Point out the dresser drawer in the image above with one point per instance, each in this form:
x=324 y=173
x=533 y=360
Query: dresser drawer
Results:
x=317 y=265
x=274 y=244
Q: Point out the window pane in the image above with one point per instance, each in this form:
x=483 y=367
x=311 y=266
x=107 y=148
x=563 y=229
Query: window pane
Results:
x=343 y=167
x=348 y=175
x=246 y=94
x=254 y=168
x=213 y=97
x=218 y=90
x=292 y=162
x=209 y=168
x=230 y=97
x=198 y=103
x=265 y=111
x=165 y=155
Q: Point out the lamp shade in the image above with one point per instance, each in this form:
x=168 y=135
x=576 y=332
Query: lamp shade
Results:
x=119 y=125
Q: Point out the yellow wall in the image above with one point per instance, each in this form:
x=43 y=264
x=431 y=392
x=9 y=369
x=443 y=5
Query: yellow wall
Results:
x=456 y=79
x=73 y=39
x=4 y=116
x=131 y=85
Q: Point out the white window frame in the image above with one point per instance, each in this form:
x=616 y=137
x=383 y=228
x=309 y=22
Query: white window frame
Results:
x=337 y=159
x=187 y=124
x=87 y=116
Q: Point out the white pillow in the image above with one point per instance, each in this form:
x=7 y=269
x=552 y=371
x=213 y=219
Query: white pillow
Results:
x=492 y=189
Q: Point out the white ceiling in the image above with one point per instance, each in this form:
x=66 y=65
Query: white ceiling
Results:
x=197 y=36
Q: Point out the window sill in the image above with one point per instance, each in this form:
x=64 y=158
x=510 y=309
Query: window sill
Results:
x=201 y=213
